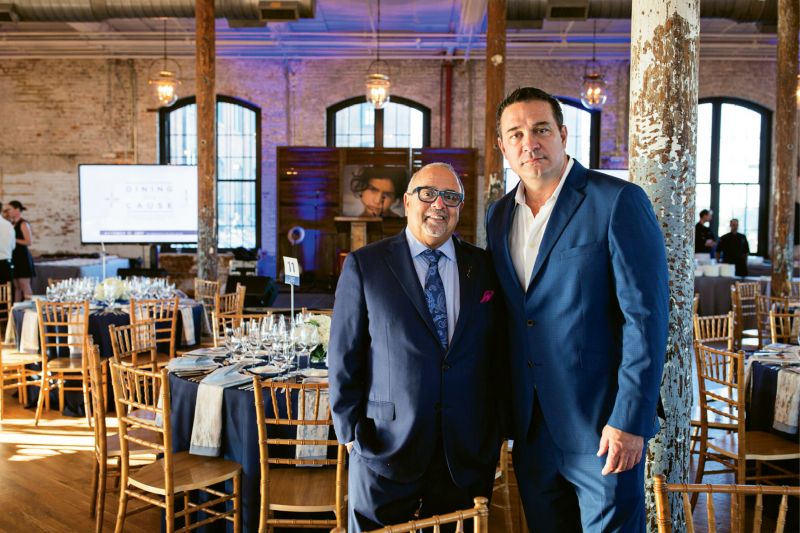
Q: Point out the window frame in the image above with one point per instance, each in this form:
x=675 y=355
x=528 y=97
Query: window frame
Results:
x=164 y=150
x=594 y=129
x=330 y=120
x=764 y=178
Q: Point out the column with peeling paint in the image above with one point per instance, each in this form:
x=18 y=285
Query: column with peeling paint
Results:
x=495 y=92
x=206 y=141
x=662 y=155
x=786 y=147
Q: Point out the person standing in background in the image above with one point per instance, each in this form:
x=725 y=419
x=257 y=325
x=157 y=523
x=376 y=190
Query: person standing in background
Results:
x=734 y=249
x=704 y=238
x=7 y=245
x=21 y=258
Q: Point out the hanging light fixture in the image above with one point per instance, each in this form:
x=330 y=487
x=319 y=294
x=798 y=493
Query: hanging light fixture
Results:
x=377 y=82
x=165 y=81
x=593 y=88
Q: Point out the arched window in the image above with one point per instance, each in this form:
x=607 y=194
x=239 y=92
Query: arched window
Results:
x=733 y=140
x=402 y=123
x=583 y=137
x=238 y=162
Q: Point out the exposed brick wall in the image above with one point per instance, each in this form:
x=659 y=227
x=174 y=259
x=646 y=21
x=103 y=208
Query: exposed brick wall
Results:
x=57 y=114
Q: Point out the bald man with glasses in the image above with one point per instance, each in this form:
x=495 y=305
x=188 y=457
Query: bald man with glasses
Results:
x=415 y=365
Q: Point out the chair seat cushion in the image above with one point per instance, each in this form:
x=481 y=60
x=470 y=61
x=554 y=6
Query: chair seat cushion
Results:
x=302 y=489
x=65 y=364
x=191 y=472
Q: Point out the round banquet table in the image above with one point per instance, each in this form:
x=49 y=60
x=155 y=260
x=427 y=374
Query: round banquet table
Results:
x=239 y=439
x=99 y=321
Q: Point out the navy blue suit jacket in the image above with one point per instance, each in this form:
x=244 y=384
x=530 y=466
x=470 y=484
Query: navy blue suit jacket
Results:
x=589 y=334
x=390 y=379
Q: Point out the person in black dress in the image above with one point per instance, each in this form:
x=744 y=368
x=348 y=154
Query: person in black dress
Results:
x=21 y=257
x=734 y=249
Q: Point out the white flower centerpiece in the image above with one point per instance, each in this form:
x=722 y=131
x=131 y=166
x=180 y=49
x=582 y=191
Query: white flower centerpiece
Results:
x=111 y=290
x=323 y=325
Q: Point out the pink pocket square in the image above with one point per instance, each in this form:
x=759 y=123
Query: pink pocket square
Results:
x=487 y=296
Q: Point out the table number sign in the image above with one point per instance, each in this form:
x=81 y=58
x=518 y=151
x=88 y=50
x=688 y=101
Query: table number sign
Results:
x=291 y=271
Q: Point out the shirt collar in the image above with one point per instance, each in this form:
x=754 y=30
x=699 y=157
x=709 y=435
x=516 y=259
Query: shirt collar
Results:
x=416 y=247
x=519 y=197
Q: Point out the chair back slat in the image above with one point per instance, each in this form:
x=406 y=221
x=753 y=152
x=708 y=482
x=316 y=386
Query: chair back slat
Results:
x=145 y=391
x=765 y=304
x=714 y=329
x=205 y=291
x=478 y=515
x=783 y=327
x=95 y=365
x=164 y=313
x=135 y=344
x=662 y=489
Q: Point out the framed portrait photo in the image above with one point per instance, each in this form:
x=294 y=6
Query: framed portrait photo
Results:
x=373 y=191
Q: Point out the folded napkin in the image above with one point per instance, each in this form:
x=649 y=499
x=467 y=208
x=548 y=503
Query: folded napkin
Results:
x=315 y=432
x=787 y=402
x=29 y=336
x=207 y=427
x=188 y=326
x=205 y=327
x=11 y=330
x=217 y=351
x=191 y=362
x=75 y=336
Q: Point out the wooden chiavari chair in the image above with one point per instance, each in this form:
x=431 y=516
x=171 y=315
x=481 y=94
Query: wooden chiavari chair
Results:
x=479 y=515
x=743 y=302
x=12 y=362
x=695 y=304
x=794 y=290
x=63 y=335
x=205 y=292
x=106 y=446
x=304 y=407
x=714 y=330
x=230 y=302
x=164 y=313
x=135 y=344
x=501 y=486
x=662 y=489
x=722 y=395
x=765 y=304
x=175 y=473
x=784 y=327
x=223 y=321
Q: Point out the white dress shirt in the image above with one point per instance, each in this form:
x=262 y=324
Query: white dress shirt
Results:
x=8 y=239
x=527 y=230
x=448 y=270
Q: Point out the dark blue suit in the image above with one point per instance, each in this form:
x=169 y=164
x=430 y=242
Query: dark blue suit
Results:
x=395 y=391
x=588 y=337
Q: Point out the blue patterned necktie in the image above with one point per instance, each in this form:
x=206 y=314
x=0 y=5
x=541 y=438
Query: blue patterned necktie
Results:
x=434 y=294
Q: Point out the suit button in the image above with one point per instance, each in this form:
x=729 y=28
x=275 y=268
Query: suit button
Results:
x=530 y=363
x=531 y=323
x=445 y=367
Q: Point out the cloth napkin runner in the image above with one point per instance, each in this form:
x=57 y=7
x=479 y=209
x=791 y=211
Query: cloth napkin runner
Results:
x=188 y=326
x=207 y=427
x=315 y=432
x=787 y=401
x=75 y=336
x=29 y=336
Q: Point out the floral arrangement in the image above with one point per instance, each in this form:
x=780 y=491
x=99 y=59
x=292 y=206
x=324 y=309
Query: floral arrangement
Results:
x=323 y=325
x=111 y=289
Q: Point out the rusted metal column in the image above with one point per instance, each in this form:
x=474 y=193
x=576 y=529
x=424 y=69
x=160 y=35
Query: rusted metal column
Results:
x=663 y=140
x=785 y=147
x=206 y=140
x=495 y=92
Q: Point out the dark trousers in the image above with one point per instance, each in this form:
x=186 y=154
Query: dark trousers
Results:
x=6 y=272
x=565 y=492
x=375 y=501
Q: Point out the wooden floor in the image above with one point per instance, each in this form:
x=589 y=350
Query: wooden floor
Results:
x=46 y=476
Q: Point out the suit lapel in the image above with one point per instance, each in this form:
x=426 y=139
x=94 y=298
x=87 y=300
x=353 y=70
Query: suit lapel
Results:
x=569 y=199
x=502 y=256
x=401 y=265
x=467 y=289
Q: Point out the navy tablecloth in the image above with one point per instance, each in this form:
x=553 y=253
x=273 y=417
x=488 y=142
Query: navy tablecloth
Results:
x=761 y=410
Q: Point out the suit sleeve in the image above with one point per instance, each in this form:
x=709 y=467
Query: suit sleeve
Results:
x=347 y=351
x=639 y=264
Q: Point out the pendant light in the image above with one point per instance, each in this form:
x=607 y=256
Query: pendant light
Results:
x=377 y=81
x=593 y=88
x=165 y=81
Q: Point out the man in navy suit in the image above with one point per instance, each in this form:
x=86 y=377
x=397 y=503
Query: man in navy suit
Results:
x=414 y=365
x=581 y=262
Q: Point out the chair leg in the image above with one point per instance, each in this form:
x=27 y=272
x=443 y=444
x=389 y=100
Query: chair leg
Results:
x=2 y=394
x=62 y=382
x=701 y=465
x=169 y=513
x=23 y=389
x=123 y=509
x=87 y=401
x=101 y=497
x=44 y=390
x=237 y=503
x=187 y=517
x=95 y=474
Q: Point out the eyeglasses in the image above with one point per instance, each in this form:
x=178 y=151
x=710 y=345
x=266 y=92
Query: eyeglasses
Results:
x=430 y=194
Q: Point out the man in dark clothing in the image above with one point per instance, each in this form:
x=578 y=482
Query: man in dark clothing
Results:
x=704 y=239
x=734 y=249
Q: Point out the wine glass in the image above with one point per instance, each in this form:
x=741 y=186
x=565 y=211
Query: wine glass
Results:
x=312 y=341
x=299 y=339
